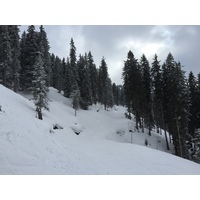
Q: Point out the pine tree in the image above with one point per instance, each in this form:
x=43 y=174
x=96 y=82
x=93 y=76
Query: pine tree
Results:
x=57 y=78
x=93 y=78
x=73 y=66
x=158 y=96
x=192 y=84
x=84 y=82
x=22 y=59
x=15 y=54
x=110 y=96
x=103 y=83
x=68 y=80
x=44 y=49
x=30 y=55
x=39 y=88
x=196 y=142
x=5 y=57
x=198 y=104
x=175 y=98
x=146 y=93
x=132 y=78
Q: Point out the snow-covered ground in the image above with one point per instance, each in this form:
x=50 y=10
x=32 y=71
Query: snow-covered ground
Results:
x=104 y=144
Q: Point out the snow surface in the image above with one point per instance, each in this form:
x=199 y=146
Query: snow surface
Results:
x=103 y=146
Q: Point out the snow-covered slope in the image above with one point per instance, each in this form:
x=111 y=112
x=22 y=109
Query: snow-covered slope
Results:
x=32 y=146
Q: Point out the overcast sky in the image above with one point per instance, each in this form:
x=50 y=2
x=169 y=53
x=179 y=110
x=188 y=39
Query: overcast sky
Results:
x=114 y=42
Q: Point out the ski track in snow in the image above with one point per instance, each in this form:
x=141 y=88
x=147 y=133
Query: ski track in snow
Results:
x=32 y=146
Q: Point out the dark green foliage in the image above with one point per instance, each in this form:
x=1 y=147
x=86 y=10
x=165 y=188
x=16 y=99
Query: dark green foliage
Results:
x=39 y=88
x=29 y=52
x=93 y=77
x=196 y=147
x=146 y=103
x=175 y=104
x=103 y=83
x=44 y=49
x=132 y=79
x=84 y=82
x=9 y=56
x=68 y=80
x=5 y=57
x=192 y=86
x=73 y=66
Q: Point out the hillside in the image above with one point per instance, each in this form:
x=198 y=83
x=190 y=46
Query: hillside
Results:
x=32 y=146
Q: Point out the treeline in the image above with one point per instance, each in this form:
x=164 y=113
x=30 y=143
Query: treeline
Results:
x=161 y=96
x=27 y=64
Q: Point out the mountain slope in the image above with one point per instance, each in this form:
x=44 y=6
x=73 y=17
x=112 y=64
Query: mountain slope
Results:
x=32 y=146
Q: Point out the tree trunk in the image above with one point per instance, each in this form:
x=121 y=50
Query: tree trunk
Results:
x=179 y=139
x=39 y=114
x=149 y=125
x=163 y=123
x=142 y=124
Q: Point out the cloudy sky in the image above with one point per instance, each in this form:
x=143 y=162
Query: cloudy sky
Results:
x=114 y=42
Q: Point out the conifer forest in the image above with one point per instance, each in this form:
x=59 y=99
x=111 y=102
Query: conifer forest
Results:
x=157 y=95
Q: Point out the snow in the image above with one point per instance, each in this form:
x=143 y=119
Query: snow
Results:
x=30 y=146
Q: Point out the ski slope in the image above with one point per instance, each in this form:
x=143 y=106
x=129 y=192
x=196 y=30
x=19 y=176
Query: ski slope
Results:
x=104 y=145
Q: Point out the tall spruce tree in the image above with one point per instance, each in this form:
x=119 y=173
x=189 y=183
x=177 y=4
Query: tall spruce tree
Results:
x=132 y=79
x=103 y=83
x=44 y=49
x=146 y=104
x=5 y=57
x=175 y=104
x=93 y=78
x=15 y=53
x=30 y=55
x=192 y=84
x=68 y=80
x=84 y=82
x=73 y=66
x=156 y=74
x=39 y=88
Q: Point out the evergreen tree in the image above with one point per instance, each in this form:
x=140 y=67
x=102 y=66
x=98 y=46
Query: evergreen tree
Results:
x=103 y=83
x=93 y=78
x=110 y=96
x=84 y=82
x=121 y=95
x=175 y=104
x=73 y=66
x=68 y=80
x=5 y=57
x=22 y=59
x=15 y=53
x=196 y=142
x=198 y=104
x=132 y=78
x=158 y=96
x=192 y=84
x=44 y=49
x=39 y=88
x=57 y=80
x=146 y=104
x=29 y=54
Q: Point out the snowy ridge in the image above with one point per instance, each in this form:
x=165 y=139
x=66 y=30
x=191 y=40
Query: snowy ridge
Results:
x=103 y=146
